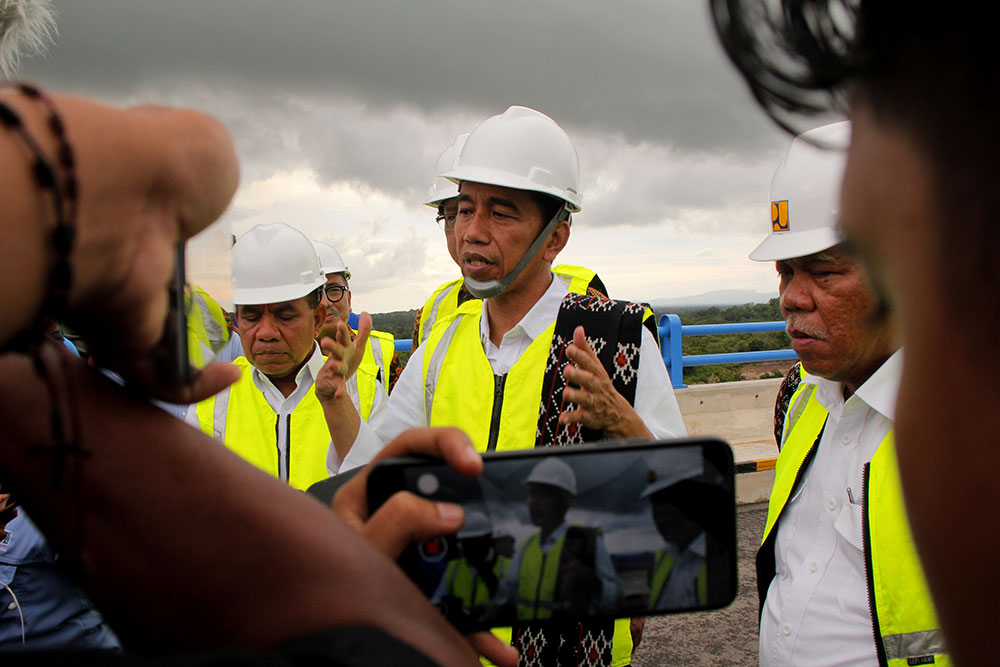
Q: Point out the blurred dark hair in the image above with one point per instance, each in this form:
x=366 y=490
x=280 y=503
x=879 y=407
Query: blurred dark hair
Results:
x=932 y=71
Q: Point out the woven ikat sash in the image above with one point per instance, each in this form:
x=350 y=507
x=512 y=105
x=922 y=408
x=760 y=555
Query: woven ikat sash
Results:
x=614 y=332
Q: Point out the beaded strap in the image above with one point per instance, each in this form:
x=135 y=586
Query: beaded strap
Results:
x=62 y=183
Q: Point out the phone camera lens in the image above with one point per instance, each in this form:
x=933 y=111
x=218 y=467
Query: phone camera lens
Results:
x=428 y=484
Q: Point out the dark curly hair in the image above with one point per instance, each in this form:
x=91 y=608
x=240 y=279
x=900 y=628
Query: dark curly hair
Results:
x=929 y=70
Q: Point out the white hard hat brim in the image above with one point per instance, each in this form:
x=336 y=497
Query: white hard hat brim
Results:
x=255 y=296
x=505 y=179
x=795 y=244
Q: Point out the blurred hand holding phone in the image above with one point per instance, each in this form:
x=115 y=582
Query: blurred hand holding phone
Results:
x=610 y=530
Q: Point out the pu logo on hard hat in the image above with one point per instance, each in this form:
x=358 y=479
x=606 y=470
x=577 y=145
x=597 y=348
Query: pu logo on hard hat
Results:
x=779 y=216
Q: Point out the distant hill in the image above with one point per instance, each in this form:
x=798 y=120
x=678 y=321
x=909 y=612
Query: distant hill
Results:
x=723 y=297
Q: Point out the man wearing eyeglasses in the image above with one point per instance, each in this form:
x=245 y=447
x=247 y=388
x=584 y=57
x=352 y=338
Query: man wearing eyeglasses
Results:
x=380 y=366
x=271 y=416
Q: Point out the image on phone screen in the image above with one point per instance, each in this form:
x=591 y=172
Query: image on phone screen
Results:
x=591 y=531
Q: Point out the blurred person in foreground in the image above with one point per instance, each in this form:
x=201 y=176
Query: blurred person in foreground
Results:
x=921 y=86
x=108 y=477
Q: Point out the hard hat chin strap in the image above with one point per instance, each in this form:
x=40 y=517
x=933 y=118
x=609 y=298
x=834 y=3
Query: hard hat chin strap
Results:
x=487 y=289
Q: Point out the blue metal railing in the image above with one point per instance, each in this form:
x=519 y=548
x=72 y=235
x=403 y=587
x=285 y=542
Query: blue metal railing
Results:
x=671 y=333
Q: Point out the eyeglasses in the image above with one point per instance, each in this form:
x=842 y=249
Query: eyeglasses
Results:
x=446 y=221
x=334 y=293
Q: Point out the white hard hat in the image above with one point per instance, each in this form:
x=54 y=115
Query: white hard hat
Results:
x=329 y=260
x=554 y=472
x=805 y=195
x=442 y=188
x=674 y=465
x=523 y=149
x=274 y=263
x=476 y=524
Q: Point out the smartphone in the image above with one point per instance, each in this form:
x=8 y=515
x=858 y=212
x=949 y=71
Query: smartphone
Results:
x=608 y=530
x=171 y=354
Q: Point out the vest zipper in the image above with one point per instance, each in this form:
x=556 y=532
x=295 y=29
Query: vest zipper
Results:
x=866 y=542
x=277 y=442
x=288 y=448
x=498 y=384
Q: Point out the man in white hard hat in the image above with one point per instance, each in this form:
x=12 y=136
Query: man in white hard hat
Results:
x=380 y=364
x=520 y=369
x=561 y=568
x=837 y=566
x=271 y=416
x=692 y=508
x=443 y=196
x=471 y=580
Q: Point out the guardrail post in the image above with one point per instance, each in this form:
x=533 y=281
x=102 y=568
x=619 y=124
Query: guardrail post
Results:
x=669 y=327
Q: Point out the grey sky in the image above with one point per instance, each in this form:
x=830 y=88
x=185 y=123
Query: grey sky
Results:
x=368 y=93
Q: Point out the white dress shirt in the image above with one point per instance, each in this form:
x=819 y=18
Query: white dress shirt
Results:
x=655 y=402
x=284 y=406
x=816 y=611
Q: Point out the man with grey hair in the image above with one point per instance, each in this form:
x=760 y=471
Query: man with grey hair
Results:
x=837 y=566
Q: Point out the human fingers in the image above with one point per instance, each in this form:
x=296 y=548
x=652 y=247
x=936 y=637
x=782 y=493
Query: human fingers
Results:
x=450 y=444
x=491 y=647
x=212 y=379
x=405 y=518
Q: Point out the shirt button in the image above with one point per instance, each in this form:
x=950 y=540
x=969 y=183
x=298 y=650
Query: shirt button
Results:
x=846 y=439
x=12 y=606
x=786 y=629
x=832 y=504
x=813 y=566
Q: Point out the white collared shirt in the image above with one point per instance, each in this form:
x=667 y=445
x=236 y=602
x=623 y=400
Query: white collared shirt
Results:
x=655 y=402
x=816 y=611
x=283 y=407
x=681 y=589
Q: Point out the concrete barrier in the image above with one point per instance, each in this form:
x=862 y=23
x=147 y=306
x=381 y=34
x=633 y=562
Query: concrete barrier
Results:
x=741 y=413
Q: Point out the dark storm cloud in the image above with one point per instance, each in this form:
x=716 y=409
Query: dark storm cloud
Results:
x=651 y=70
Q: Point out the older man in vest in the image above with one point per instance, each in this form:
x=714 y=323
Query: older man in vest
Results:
x=532 y=364
x=270 y=416
x=838 y=574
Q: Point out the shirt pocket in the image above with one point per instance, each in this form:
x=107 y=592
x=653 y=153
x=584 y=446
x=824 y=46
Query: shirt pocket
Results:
x=849 y=524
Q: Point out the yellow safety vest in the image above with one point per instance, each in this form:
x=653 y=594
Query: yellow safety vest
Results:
x=903 y=615
x=207 y=329
x=464 y=582
x=240 y=417
x=374 y=365
x=444 y=301
x=536 y=579
x=663 y=565
x=499 y=414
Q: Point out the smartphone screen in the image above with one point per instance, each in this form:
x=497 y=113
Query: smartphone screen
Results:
x=612 y=530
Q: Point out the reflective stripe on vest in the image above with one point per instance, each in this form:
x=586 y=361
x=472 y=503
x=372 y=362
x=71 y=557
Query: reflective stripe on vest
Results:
x=579 y=277
x=206 y=326
x=240 y=417
x=536 y=580
x=372 y=369
x=439 y=306
x=903 y=613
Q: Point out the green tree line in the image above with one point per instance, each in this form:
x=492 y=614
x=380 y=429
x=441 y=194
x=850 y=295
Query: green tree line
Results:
x=400 y=324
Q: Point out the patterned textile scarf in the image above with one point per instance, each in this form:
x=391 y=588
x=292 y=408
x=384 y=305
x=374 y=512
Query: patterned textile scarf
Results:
x=614 y=331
